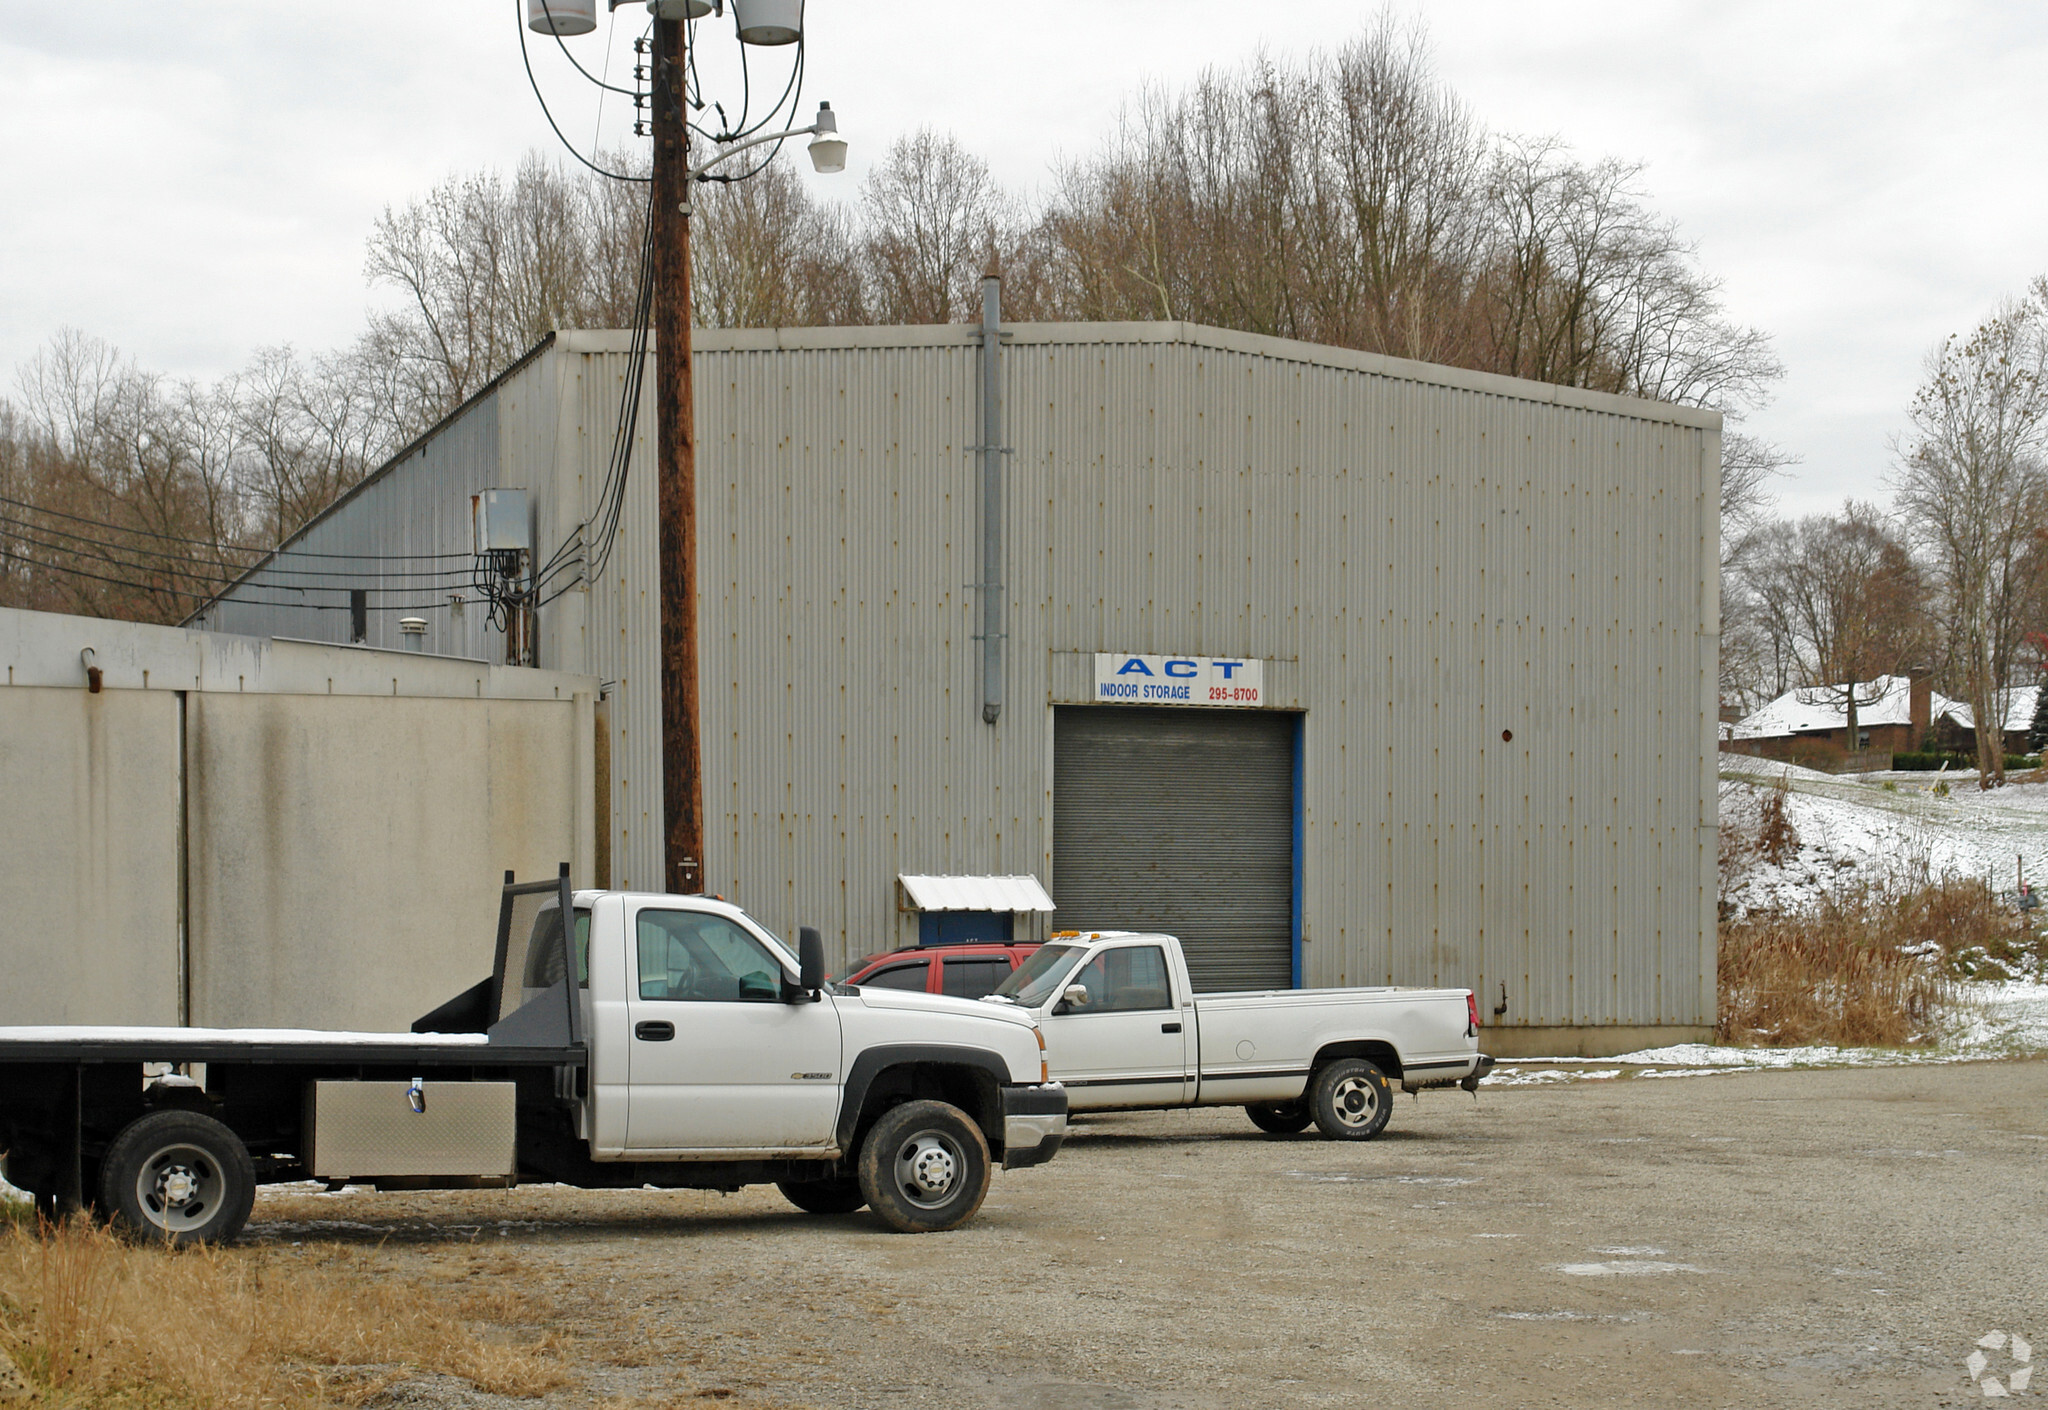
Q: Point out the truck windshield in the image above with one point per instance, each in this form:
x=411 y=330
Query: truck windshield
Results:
x=1040 y=977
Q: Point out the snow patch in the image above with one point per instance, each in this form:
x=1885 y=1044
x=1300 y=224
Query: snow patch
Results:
x=1894 y=830
x=1519 y=1077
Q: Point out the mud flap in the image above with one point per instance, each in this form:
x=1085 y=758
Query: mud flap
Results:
x=1477 y=1075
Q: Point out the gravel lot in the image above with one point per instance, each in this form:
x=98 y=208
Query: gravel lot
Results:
x=1794 y=1238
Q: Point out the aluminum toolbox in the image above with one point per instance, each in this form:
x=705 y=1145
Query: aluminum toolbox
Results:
x=358 y=1130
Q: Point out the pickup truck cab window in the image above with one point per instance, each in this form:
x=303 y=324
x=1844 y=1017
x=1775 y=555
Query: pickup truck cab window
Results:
x=1126 y=980
x=1041 y=976
x=692 y=957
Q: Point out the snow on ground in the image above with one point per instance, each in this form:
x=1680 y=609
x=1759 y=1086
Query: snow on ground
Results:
x=1993 y=1021
x=1881 y=827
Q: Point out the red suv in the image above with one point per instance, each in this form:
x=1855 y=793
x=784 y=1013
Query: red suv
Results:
x=964 y=971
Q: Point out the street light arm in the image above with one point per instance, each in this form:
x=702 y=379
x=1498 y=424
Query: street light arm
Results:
x=696 y=173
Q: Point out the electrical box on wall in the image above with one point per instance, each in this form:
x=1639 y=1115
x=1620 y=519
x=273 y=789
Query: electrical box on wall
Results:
x=502 y=520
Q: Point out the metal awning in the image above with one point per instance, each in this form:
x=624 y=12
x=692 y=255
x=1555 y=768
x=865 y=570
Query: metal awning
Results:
x=972 y=893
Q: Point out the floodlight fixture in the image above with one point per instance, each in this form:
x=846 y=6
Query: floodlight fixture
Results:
x=828 y=148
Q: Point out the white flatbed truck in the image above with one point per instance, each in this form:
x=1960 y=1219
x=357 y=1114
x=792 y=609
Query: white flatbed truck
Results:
x=1126 y=1030
x=690 y=1049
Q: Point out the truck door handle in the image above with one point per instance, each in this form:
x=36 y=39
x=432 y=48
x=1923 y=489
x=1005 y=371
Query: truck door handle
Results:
x=1169 y=1028
x=654 y=1031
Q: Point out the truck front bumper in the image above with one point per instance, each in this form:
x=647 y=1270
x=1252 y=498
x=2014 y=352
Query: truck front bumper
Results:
x=1034 y=1124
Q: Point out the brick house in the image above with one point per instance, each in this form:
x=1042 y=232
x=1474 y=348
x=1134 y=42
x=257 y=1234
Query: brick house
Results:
x=1894 y=715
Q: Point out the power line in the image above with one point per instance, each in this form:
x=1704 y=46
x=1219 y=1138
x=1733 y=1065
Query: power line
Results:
x=35 y=566
x=229 y=572
x=534 y=83
x=217 y=546
x=563 y=45
x=611 y=26
x=195 y=573
x=612 y=491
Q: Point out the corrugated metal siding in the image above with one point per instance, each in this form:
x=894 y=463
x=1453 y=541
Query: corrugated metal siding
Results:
x=419 y=507
x=1427 y=558
x=613 y=626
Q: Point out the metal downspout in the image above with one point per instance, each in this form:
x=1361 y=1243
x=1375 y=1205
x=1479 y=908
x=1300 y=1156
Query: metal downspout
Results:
x=992 y=452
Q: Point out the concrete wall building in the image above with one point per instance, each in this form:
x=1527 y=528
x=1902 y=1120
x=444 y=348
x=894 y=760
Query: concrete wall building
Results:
x=1448 y=645
x=230 y=832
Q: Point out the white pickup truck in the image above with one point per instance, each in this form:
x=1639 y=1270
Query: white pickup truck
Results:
x=1124 y=1029
x=691 y=1050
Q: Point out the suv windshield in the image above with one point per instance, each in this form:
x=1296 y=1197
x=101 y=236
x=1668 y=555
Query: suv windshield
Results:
x=1040 y=977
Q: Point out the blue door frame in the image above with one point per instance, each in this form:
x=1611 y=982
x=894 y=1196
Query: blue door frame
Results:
x=1300 y=828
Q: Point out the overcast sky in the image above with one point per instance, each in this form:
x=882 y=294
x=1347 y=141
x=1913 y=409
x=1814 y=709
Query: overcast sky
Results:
x=193 y=181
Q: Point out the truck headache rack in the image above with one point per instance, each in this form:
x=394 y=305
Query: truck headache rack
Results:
x=524 y=910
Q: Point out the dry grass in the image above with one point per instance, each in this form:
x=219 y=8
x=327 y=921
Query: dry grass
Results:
x=92 y=1320
x=1871 y=966
x=1756 y=828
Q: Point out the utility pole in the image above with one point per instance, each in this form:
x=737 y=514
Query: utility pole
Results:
x=682 y=775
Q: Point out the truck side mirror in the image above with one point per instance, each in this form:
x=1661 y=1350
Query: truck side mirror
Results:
x=1075 y=997
x=810 y=958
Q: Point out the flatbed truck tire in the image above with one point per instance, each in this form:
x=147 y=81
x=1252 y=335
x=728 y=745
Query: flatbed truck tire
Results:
x=1351 y=1100
x=841 y=1196
x=1280 y=1118
x=924 y=1167
x=178 y=1177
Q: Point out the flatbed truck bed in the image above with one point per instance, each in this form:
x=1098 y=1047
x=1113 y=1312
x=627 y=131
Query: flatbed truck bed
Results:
x=653 y=1048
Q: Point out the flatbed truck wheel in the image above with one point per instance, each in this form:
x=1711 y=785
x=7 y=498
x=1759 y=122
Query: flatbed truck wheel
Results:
x=1280 y=1118
x=178 y=1177
x=924 y=1167
x=1351 y=1100
x=841 y=1196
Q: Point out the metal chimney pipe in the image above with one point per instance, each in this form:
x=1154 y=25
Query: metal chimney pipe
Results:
x=992 y=452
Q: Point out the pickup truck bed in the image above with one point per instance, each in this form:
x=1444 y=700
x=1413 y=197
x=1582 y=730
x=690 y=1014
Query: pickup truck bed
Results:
x=1125 y=1029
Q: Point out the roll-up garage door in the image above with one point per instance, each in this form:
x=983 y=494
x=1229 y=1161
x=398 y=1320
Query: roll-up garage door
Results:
x=1181 y=821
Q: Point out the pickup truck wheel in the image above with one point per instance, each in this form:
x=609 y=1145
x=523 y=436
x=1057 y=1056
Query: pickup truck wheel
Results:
x=842 y=1196
x=1350 y=1100
x=179 y=1177
x=1280 y=1118
x=924 y=1167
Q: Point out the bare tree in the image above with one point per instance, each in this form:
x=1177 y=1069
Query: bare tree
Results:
x=1842 y=596
x=130 y=484
x=1349 y=200
x=764 y=255
x=934 y=220
x=1352 y=200
x=1970 y=483
x=487 y=268
x=1748 y=465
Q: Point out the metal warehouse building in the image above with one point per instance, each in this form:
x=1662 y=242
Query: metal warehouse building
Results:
x=1345 y=669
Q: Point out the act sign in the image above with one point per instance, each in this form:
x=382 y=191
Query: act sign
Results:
x=1122 y=679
